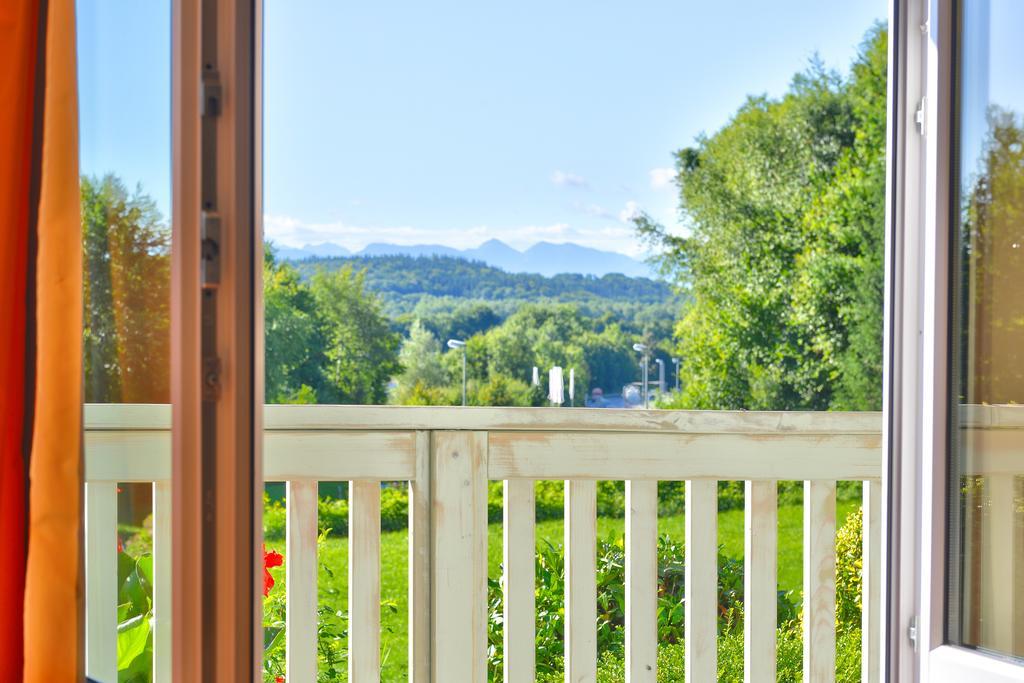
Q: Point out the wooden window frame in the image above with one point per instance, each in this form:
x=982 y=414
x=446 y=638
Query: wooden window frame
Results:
x=216 y=349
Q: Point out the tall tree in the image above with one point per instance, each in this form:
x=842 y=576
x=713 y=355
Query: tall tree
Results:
x=360 y=347
x=126 y=335
x=783 y=261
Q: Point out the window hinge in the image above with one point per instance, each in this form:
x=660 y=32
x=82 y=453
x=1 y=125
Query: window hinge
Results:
x=919 y=115
x=912 y=632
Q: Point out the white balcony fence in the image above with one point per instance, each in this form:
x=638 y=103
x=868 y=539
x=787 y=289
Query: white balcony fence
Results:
x=448 y=455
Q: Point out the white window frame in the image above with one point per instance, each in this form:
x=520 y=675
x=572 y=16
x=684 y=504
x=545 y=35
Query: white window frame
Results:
x=921 y=110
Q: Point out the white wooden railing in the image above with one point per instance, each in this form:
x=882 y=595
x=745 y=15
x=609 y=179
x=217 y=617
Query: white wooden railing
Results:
x=448 y=455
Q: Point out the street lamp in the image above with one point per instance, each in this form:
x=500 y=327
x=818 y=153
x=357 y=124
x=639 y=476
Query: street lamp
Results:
x=460 y=344
x=675 y=361
x=661 y=376
x=642 y=349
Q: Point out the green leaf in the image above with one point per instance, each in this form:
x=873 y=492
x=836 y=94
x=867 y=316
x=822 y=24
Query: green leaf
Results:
x=131 y=640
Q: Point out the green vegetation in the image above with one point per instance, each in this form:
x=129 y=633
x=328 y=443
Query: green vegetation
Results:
x=550 y=592
x=783 y=268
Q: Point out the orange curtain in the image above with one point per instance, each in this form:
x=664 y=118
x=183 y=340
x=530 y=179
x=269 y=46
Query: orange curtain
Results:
x=41 y=314
x=19 y=31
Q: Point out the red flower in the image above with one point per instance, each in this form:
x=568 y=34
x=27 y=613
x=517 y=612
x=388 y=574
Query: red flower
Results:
x=279 y=679
x=270 y=559
x=120 y=548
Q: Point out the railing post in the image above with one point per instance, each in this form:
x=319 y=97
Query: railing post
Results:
x=641 y=581
x=459 y=592
x=519 y=563
x=301 y=576
x=363 y=581
x=162 y=658
x=871 y=585
x=819 y=581
x=420 y=647
x=101 y=580
x=701 y=612
x=760 y=581
x=580 y=581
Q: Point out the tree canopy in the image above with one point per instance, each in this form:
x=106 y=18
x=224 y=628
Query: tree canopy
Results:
x=782 y=265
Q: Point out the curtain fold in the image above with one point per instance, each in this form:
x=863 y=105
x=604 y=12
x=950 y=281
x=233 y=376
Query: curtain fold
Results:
x=41 y=370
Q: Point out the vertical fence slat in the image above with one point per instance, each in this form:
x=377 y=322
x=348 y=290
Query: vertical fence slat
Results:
x=997 y=566
x=871 y=600
x=580 y=581
x=419 y=564
x=641 y=581
x=760 y=581
x=459 y=593
x=519 y=557
x=701 y=613
x=101 y=580
x=162 y=667
x=363 y=581
x=301 y=587
x=819 y=581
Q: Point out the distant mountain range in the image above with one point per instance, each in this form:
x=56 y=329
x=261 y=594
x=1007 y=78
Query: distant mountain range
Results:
x=544 y=258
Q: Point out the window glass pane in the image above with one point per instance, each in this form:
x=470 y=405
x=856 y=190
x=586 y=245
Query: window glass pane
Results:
x=124 y=68
x=987 y=436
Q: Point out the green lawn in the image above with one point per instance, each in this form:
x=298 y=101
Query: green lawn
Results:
x=333 y=575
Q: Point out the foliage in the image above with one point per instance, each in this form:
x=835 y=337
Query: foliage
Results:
x=134 y=617
x=422 y=368
x=849 y=571
x=783 y=264
x=550 y=595
x=414 y=276
x=126 y=278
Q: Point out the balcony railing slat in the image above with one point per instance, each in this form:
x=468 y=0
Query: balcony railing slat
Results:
x=819 y=581
x=101 y=580
x=871 y=585
x=419 y=564
x=641 y=581
x=162 y=654
x=301 y=575
x=701 y=612
x=458 y=481
x=760 y=582
x=519 y=553
x=364 y=582
x=580 y=581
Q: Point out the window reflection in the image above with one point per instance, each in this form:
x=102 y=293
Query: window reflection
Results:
x=987 y=567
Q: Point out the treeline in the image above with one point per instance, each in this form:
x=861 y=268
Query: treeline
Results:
x=783 y=268
x=410 y=278
x=328 y=341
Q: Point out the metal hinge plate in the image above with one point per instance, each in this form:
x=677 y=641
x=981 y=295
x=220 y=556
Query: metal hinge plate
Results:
x=912 y=632
x=920 y=114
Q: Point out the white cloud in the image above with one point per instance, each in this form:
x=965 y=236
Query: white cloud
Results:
x=631 y=211
x=662 y=177
x=563 y=179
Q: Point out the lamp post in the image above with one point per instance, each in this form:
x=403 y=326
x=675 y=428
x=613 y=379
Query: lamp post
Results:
x=675 y=362
x=642 y=349
x=661 y=376
x=460 y=344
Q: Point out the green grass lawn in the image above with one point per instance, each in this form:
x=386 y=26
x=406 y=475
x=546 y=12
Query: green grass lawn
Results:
x=333 y=576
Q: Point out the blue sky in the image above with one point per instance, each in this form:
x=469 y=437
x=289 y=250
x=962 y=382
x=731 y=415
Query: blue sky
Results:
x=453 y=123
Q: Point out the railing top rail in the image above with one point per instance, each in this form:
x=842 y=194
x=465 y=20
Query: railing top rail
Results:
x=152 y=417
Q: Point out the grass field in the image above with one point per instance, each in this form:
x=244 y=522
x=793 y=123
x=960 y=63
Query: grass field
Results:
x=333 y=577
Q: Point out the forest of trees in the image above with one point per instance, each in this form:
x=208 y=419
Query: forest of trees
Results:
x=772 y=299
